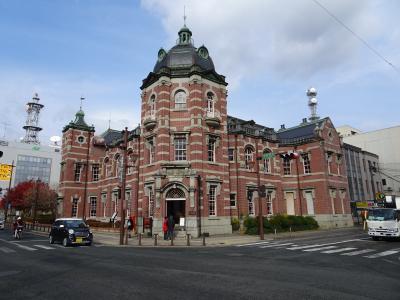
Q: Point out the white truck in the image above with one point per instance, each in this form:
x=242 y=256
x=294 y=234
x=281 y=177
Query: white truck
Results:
x=384 y=222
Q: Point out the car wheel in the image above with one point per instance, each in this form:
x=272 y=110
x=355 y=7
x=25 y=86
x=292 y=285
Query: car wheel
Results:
x=65 y=242
x=89 y=244
x=375 y=238
x=51 y=239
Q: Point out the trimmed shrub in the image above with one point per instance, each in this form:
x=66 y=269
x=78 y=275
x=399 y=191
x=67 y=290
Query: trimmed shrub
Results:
x=235 y=224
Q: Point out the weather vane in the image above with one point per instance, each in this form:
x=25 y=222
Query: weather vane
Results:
x=82 y=98
x=184 y=15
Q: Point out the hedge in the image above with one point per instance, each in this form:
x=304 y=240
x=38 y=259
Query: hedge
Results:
x=281 y=223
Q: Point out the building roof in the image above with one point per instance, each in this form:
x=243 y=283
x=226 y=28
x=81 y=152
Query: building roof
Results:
x=305 y=130
x=184 y=60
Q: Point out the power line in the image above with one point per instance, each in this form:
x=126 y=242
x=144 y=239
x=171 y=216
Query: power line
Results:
x=357 y=36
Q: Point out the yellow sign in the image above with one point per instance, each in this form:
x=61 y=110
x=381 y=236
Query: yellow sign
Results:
x=362 y=204
x=5 y=172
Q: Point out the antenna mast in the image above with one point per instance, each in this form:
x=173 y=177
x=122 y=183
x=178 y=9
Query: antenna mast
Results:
x=32 y=121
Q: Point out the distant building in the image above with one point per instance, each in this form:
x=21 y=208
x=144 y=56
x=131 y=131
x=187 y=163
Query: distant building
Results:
x=31 y=162
x=386 y=144
x=363 y=174
x=189 y=159
x=347 y=130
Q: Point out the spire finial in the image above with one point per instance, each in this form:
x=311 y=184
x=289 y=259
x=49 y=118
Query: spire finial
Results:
x=82 y=98
x=184 y=15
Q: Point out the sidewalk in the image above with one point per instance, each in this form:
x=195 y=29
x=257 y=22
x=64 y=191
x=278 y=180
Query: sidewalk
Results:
x=112 y=239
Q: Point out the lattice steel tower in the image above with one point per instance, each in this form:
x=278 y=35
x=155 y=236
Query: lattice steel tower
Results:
x=32 y=121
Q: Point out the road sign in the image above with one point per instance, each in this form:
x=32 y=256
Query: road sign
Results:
x=5 y=172
x=380 y=196
x=268 y=155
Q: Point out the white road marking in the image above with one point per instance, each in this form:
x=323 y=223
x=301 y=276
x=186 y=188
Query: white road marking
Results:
x=320 y=248
x=358 y=252
x=25 y=247
x=338 y=250
x=6 y=250
x=252 y=244
x=321 y=245
x=44 y=247
x=276 y=245
x=384 y=253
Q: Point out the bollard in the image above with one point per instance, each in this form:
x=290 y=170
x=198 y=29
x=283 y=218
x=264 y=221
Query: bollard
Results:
x=155 y=239
x=188 y=239
x=275 y=233
x=140 y=239
x=172 y=238
x=204 y=239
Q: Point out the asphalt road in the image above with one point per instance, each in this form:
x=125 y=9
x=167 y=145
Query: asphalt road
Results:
x=326 y=265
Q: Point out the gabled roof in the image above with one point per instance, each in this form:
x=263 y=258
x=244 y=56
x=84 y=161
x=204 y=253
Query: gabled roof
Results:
x=303 y=132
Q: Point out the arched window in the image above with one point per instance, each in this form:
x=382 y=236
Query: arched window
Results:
x=107 y=167
x=248 y=157
x=210 y=104
x=153 y=105
x=267 y=159
x=118 y=165
x=180 y=100
x=175 y=193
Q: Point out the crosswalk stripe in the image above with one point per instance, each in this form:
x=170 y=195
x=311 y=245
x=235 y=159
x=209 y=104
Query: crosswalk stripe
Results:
x=25 y=247
x=304 y=247
x=338 y=250
x=320 y=248
x=277 y=245
x=384 y=253
x=6 y=250
x=252 y=244
x=358 y=252
x=44 y=247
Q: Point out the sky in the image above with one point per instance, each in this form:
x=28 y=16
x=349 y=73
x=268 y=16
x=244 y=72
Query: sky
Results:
x=271 y=52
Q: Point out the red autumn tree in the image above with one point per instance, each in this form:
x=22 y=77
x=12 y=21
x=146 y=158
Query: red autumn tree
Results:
x=16 y=196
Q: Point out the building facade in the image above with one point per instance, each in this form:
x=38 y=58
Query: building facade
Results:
x=189 y=159
x=384 y=143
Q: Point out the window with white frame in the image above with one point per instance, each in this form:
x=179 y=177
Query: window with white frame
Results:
x=248 y=157
x=118 y=165
x=286 y=166
x=95 y=172
x=107 y=167
x=104 y=203
x=151 y=150
x=211 y=148
x=74 y=210
x=78 y=171
x=270 y=210
x=180 y=100
x=212 y=201
x=267 y=161
x=129 y=167
x=115 y=201
x=93 y=205
x=128 y=199
x=180 y=147
x=250 y=202
x=210 y=104
x=329 y=160
x=306 y=163
x=232 y=200
x=151 y=201
x=153 y=105
x=339 y=161
x=231 y=154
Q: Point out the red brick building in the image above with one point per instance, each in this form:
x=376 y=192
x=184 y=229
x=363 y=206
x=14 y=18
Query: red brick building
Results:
x=191 y=160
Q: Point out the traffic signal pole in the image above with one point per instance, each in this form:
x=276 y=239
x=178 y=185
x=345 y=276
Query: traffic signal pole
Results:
x=260 y=214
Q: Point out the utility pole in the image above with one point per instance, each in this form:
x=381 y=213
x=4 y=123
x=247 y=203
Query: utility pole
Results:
x=260 y=192
x=9 y=189
x=36 y=201
x=86 y=176
x=123 y=187
x=296 y=159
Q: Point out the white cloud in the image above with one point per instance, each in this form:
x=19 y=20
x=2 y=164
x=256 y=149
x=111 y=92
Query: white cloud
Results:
x=290 y=39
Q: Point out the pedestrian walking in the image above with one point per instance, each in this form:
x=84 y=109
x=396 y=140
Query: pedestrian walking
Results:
x=171 y=227
x=165 y=228
x=130 y=226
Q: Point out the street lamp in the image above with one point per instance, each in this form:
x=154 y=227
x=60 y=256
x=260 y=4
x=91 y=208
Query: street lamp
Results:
x=36 y=201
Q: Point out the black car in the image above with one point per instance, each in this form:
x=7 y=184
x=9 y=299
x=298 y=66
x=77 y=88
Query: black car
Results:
x=70 y=231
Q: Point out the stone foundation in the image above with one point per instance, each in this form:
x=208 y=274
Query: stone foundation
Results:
x=334 y=221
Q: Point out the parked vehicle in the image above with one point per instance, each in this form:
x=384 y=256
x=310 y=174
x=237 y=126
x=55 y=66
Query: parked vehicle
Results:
x=384 y=222
x=70 y=231
x=2 y=224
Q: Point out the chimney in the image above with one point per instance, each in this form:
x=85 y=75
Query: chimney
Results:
x=283 y=126
x=304 y=121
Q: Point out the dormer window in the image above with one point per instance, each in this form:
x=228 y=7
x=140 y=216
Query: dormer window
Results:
x=180 y=100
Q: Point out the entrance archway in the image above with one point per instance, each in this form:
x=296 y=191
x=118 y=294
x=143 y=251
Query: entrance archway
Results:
x=176 y=202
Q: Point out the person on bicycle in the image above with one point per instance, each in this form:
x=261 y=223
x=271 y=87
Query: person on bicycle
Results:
x=18 y=224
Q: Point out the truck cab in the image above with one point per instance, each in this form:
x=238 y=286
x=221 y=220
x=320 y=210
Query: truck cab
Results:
x=383 y=223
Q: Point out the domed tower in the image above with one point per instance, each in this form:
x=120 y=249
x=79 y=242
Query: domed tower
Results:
x=76 y=141
x=184 y=141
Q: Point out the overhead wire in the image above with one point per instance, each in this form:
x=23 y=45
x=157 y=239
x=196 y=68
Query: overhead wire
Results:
x=357 y=36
